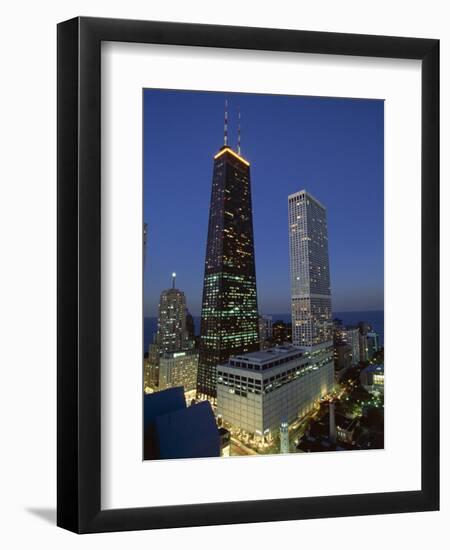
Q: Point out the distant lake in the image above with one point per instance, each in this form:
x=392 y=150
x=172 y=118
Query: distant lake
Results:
x=374 y=318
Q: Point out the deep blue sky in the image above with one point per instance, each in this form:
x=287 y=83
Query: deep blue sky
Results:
x=332 y=147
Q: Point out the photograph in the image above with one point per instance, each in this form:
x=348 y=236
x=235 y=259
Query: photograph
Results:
x=263 y=258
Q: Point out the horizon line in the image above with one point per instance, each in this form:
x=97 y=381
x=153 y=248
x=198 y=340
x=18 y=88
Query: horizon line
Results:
x=287 y=313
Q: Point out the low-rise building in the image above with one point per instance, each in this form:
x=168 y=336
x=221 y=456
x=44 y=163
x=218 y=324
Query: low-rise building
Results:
x=345 y=428
x=372 y=378
x=178 y=369
x=258 y=391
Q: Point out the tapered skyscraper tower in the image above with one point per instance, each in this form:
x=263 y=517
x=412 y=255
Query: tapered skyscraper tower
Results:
x=229 y=322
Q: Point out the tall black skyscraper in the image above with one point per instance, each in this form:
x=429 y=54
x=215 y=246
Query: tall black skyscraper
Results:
x=229 y=323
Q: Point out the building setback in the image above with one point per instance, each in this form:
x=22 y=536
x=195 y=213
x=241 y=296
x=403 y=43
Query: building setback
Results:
x=229 y=318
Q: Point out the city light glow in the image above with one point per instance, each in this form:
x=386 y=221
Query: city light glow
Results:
x=305 y=384
x=228 y=150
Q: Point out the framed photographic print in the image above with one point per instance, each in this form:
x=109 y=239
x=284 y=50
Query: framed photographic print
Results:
x=248 y=306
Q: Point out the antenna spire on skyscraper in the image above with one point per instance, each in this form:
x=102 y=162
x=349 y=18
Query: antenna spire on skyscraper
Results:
x=174 y=276
x=239 y=131
x=225 y=126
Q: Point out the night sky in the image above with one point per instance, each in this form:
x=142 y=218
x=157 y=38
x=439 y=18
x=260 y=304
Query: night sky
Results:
x=331 y=147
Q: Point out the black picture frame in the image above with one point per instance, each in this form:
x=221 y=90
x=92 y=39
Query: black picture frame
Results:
x=79 y=280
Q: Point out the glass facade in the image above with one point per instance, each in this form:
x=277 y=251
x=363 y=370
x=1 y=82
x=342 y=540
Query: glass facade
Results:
x=259 y=391
x=310 y=272
x=229 y=320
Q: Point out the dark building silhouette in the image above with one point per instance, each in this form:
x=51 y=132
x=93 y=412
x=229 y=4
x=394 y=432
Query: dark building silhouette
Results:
x=172 y=430
x=281 y=332
x=342 y=351
x=342 y=357
x=190 y=326
x=229 y=320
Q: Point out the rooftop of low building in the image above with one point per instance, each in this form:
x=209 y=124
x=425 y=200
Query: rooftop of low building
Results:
x=376 y=369
x=270 y=354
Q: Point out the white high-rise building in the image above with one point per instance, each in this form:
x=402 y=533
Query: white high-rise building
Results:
x=310 y=270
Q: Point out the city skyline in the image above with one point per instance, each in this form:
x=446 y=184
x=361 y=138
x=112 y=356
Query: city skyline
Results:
x=355 y=217
x=247 y=389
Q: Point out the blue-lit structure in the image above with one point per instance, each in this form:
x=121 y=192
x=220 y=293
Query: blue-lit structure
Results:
x=188 y=433
x=173 y=430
